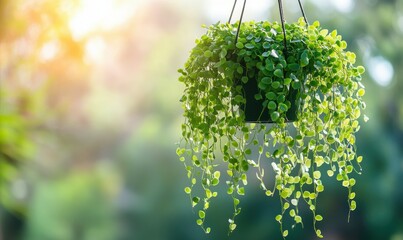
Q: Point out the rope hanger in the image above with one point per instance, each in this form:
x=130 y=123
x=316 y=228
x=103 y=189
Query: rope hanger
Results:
x=280 y=6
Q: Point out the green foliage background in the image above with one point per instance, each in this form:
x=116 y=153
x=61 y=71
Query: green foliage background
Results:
x=93 y=131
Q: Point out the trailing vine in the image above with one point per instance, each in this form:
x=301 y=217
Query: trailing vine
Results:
x=317 y=69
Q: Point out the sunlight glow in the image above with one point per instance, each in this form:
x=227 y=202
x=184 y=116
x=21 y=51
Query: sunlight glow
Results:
x=103 y=15
x=221 y=10
x=94 y=50
x=400 y=23
x=49 y=50
x=381 y=70
x=344 y=6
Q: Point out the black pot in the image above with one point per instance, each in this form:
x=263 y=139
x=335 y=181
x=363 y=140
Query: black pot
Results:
x=256 y=113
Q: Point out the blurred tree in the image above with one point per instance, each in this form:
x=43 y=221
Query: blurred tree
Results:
x=77 y=207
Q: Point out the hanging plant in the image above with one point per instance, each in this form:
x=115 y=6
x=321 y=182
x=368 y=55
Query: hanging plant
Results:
x=307 y=77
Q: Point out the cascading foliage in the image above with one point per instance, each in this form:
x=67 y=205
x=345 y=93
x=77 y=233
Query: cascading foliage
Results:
x=322 y=141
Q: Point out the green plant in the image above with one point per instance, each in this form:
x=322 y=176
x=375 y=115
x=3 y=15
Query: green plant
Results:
x=15 y=147
x=329 y=90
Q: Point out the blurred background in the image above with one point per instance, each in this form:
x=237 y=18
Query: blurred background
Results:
x=90 y=117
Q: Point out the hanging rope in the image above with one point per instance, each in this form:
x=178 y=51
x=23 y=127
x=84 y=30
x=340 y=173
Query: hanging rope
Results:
x=232 y=12
x=240 y=20
x=280 y=6
x=303 y=12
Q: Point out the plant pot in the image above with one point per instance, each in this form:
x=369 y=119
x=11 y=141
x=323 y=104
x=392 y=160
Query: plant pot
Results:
x=256 y=112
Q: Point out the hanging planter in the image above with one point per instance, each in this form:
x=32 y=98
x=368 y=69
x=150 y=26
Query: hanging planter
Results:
x=270 y=72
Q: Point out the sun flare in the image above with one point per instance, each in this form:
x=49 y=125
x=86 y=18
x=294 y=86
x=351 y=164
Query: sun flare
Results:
x=99 y=15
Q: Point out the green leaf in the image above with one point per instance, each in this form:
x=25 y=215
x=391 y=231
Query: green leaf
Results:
x=304 y=59
x=223 y=53
x=258 y=96
x=230 y=190
x=361 y=92
x=232 y=226
x=272 y=105
x=296 y=84
x=282 y=107
x=281 y=98
x=293 y=66
x=195 y=201
x=239 y=45
x=271 y=95
x=202 y=214
x=278 y=73
x=320 y=188
x=286 y=192
x=266 y=45
x=241 y=191
x=188 y=190
x=274 y=116
x=236 y=201
x=239 y=99
x=275 y=84
x=312 y=196
x=266 y=80
x=244 y=178
x=319 y=233
x=269 y=65
x=318 y=218
x=215 y=181
x=319 y=160
x=209 y=194
x=208 y=54
x=361 y=69
x=249 y=46
x=245 y=166
x=353 y=205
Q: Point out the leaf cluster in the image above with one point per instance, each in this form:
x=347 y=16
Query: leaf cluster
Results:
x=315 y=65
